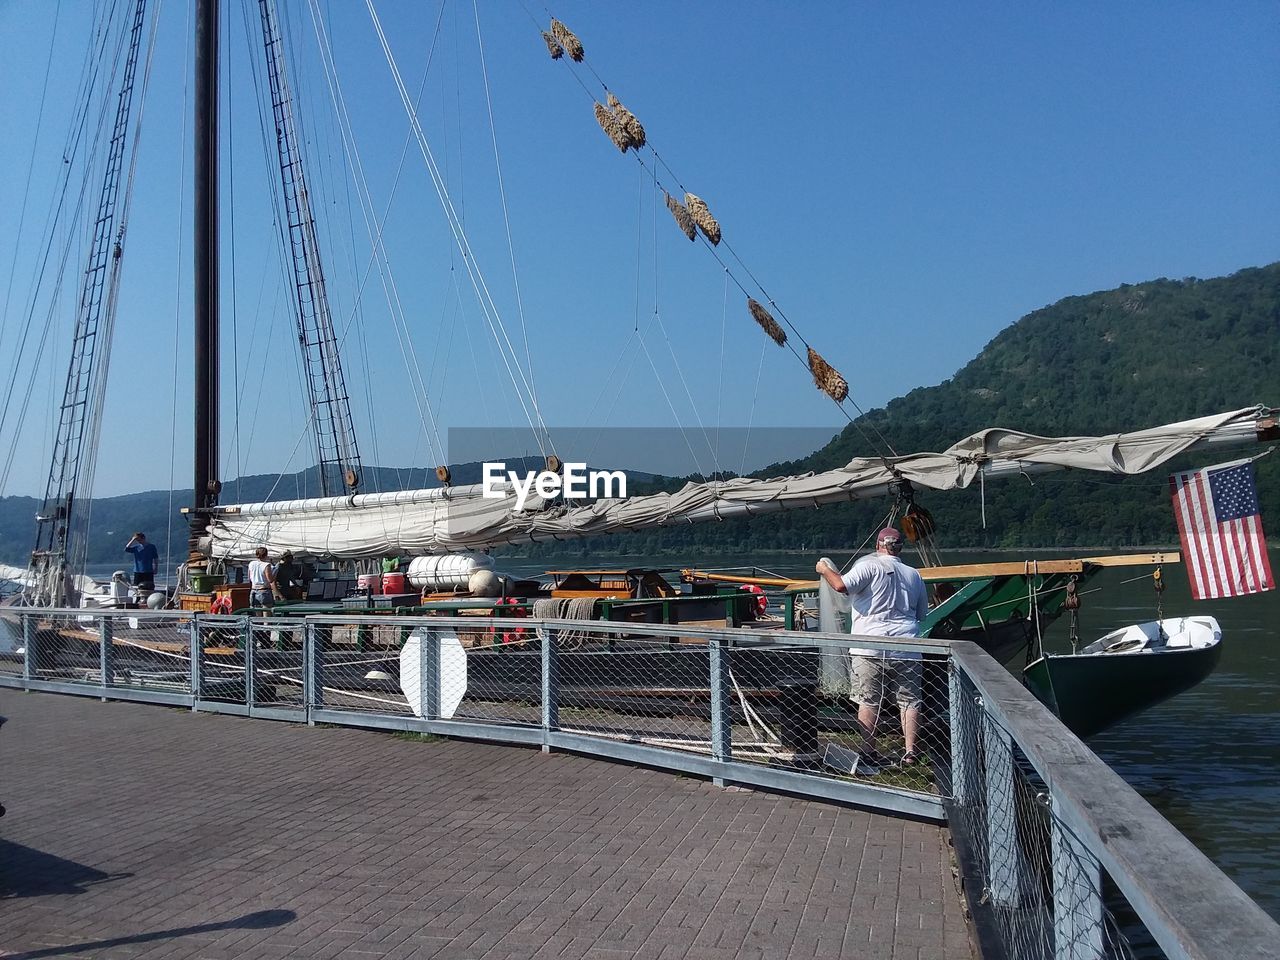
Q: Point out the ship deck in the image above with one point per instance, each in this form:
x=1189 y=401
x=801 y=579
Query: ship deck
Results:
x=140 y=831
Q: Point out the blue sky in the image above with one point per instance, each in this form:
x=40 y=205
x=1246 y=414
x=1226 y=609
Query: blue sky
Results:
x=904 y=180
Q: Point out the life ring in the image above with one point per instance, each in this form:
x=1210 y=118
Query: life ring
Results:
x=515 y=634
x=762 y=602
x=221 y=605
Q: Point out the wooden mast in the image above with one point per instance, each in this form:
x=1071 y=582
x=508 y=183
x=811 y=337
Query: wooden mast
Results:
x=206 y=484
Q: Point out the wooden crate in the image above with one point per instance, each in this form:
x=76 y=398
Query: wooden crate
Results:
x=196 y=602
x=239 y=594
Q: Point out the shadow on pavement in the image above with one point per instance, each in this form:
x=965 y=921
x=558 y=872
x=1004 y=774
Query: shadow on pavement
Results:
x=259 y=920
x=26 y=872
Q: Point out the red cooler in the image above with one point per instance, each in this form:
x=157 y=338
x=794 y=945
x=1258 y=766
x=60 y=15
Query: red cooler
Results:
x=368 y=582
x=394 y=583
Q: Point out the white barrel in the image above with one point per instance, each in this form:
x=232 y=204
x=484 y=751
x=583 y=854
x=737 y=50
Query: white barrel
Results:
x=449 y=571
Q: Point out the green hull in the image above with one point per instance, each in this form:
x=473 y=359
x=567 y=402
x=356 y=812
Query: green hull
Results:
x=1091 y=692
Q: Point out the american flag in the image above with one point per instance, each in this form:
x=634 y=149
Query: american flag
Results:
x=1220 y=524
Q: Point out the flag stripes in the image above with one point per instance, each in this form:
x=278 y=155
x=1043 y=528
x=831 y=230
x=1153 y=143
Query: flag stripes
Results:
x=1225 y=558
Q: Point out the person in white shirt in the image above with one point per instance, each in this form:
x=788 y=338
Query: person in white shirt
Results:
x=889 y=600
x=262 y=581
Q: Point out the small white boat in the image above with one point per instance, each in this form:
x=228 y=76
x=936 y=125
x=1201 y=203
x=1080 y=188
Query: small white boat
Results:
x=1126 y=671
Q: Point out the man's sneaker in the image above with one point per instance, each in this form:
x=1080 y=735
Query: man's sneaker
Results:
x=870 y=758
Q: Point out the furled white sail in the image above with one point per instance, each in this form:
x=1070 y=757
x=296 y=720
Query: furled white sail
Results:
x=460 y=518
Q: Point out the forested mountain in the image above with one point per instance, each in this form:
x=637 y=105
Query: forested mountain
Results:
x=1121 y=359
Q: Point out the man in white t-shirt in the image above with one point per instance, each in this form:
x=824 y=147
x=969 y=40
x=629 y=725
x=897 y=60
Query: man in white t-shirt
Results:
x=262 y=581
x=889 y=600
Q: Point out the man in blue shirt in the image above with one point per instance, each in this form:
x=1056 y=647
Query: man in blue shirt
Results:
x=144 y=562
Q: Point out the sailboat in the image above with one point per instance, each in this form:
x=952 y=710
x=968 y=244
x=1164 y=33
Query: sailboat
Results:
x=447 y=531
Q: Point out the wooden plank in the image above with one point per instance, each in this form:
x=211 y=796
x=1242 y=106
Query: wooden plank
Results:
x=1017 y=568
x=1135 y=559
x=1009 y=568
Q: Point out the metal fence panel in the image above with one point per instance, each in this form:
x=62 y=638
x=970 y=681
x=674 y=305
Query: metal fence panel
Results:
x=276 y=661
x=13 y=643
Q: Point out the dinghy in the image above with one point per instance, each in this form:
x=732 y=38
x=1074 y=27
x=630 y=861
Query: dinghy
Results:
x=1126 y=671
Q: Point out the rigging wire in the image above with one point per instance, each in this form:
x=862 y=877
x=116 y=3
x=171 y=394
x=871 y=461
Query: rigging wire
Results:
x=177 y=295
x=751 y=414
x=234 y=451
x=31 y=168
x=502 y=193
x=93 y=435
x=724 y=320
x=479 y=284
x=379 y=254
x=75 y=140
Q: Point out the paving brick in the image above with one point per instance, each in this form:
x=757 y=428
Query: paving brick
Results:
x=143 y=832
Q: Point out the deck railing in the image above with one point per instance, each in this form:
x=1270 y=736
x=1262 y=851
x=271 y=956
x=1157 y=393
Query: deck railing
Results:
x=1051 y=844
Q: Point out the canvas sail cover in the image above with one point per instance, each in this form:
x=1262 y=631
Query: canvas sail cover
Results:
x=459 y=518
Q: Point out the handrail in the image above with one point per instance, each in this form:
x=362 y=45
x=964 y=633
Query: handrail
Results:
x=1191 y=908
x=662 y=630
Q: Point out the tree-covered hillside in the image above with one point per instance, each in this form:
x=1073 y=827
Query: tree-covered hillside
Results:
x=1122 y=359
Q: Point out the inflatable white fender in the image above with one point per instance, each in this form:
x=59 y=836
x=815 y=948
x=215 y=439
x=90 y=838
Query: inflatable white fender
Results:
x=453 y=671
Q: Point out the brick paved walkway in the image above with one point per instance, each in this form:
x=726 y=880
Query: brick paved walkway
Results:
x=141 y=831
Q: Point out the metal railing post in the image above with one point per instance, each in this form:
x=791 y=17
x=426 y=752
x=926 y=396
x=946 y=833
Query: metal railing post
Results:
x=248 y=663
x=28 y=647
x=429 y=675
x=550 y=686
x=1005 y=865
x=1078 y=932
x=319 y=635
x=964 y=740
x=721 y=707
x=106 y=653
x=197 y=661
x=308 y=670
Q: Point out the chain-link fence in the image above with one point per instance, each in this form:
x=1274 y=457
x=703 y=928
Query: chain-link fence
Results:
x=1039 y=893
x=134 y=650
x=13 y=643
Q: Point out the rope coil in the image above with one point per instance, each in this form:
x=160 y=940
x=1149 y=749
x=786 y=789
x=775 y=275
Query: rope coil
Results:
x=702 y=217
x=553 y=46
x=827 y=378
x=567 y=39
x=766 y=321
x=683 y=220
x=630 y=125
x=612 y=126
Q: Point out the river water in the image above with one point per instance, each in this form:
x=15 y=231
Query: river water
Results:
x=1208 y=760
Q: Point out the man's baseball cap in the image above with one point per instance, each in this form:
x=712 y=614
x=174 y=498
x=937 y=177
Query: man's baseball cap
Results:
x=888 y=534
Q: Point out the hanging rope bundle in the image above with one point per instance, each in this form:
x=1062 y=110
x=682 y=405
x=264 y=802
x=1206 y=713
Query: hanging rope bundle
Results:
x=635 y=132
x=827 y=378
x=683 y=220
x=703 y=218
x=553 y=46
x=765 y=319
x=610 y=124
x=568 y=40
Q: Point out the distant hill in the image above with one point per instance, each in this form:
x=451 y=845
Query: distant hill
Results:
x=1121 y=359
